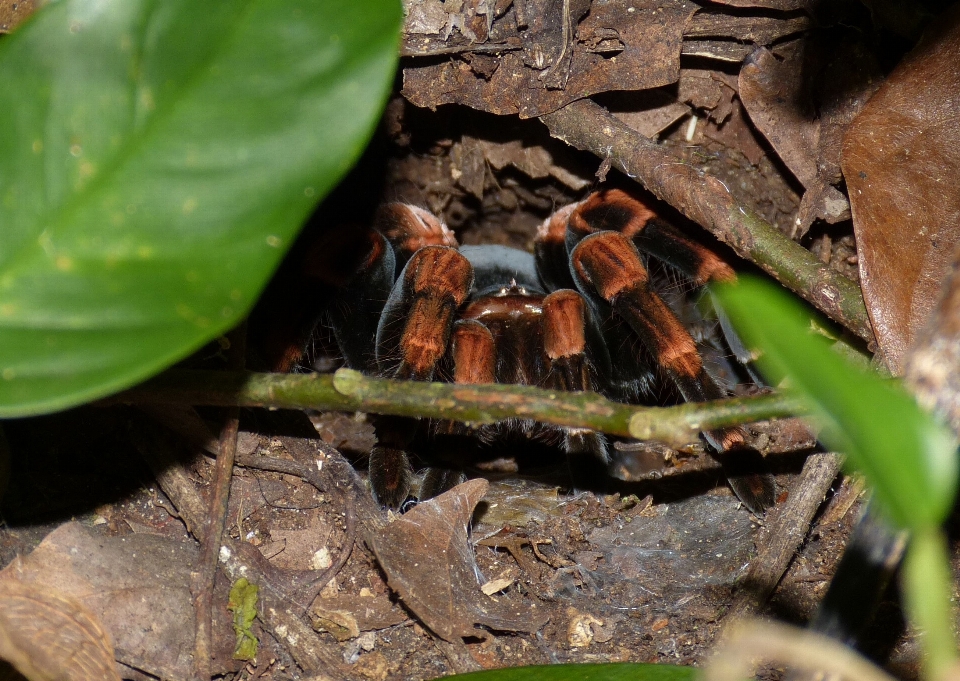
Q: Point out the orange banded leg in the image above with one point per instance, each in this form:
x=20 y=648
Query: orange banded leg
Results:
x=551 y=249
x=608 y=264
x=473 y=354
x=565 y=325
x=411 y=340
x=615 y=210
x=417 y=319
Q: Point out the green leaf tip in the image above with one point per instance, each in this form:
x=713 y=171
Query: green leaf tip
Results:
x=907 y=456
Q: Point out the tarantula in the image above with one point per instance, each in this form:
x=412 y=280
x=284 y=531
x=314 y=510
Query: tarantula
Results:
x=580 y=314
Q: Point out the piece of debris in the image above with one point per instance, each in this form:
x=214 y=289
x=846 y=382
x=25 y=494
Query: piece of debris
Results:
x=429 y=562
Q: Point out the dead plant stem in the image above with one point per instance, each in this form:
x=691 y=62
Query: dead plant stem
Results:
x=216 y=518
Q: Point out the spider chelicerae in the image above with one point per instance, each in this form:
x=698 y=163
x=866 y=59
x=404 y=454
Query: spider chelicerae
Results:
x=581 y=313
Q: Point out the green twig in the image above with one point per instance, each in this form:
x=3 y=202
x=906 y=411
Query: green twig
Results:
x=707 y=201
x=352 y=391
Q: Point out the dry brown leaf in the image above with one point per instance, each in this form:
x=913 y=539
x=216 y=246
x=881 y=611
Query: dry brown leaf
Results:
x=759 y=30
x=619 y=45
x=901 y=160
x=138 y=586
x=429 y=562
x=48 y=636
x=649 y=112
x=737 y=133
x=775 y=94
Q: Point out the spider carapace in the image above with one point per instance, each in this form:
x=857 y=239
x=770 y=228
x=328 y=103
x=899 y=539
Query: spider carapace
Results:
x=579 y=314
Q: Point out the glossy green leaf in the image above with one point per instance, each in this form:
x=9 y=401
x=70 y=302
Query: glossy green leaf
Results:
x=586 y=672
x=156 y=159
x=908 y=457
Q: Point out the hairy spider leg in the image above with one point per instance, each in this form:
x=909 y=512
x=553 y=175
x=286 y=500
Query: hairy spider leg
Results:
x=608 y=270
x=419 y=314
x=473 y=351
x=567 y=327
x=473 y=356
x=354 y=313
x=550 y=249
x=347 y=273
x=616 y=210
x=370 y=318
x=412 y=339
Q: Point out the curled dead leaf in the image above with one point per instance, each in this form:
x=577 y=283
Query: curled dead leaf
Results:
x=430 y=563
x=48 y=635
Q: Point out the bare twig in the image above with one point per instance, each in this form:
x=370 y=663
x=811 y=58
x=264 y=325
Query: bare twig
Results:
x=217 y=517
x=351 y=391
x=788 y=437
x=496 y=48
x=707 y=201
x=787 y=531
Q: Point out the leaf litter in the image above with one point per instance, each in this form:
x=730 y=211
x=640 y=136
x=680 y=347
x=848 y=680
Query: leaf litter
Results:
x=752 y=96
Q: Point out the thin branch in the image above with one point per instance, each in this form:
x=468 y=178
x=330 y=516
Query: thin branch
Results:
x=480 y=404
x=216 y=518
x=786 y=532
x=707 y=201
x=496 y=48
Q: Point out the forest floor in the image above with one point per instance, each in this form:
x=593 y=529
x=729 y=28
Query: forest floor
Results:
x=649 y=573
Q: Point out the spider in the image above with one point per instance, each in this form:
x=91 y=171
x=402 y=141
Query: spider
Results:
x=579 y=314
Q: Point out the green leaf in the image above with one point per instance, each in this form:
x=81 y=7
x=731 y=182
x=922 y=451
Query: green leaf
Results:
x=907 y=456
x=928 y=586
x=586 y=672
x=157 y=157
x=243 y=604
